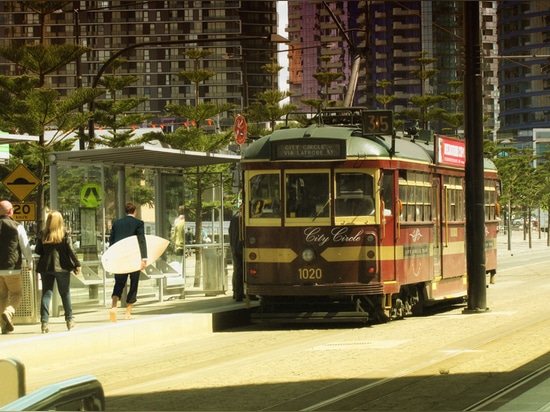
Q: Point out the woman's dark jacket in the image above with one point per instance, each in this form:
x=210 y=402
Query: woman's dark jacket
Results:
x=56 y=257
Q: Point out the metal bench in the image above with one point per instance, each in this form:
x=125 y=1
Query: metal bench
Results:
x=170 y=282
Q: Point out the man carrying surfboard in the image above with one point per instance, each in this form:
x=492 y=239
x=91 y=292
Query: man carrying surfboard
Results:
x=121 y=229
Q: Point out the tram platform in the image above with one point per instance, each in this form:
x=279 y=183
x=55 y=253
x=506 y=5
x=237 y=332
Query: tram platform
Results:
x=152 y=321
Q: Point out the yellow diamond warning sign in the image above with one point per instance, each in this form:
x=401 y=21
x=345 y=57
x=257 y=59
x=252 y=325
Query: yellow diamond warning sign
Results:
x=21 y=182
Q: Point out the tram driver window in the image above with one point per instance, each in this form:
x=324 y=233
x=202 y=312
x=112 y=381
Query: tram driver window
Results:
x=386 y=192
x=265 y=196
x=307 y=194
x=354 y=194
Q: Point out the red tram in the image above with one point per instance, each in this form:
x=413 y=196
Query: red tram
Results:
x=343 y=221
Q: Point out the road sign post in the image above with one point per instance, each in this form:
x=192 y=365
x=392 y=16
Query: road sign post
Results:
x=24 y=211
x=240 y=129
x=21 y=182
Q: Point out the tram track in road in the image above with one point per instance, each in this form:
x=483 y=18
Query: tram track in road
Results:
x=422 y=380
x=510 y=392
x=473 y=367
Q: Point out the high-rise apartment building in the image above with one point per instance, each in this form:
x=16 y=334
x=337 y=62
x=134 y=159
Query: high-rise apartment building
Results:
x=389 y=37
x=523 y=76
x=236 y=32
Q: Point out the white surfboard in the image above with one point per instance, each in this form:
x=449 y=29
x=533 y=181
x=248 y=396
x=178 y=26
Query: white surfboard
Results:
x=124 y=256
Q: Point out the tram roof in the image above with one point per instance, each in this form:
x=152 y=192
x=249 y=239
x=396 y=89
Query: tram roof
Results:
x=146 y=156
x=356 y=143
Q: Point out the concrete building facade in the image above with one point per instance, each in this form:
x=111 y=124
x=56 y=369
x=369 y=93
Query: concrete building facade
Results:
x=389 y=38
x=109 y=26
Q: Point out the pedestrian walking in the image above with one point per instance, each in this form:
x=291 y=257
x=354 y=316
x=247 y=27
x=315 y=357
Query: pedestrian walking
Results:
x=15 y=254
x=189 y=240
x=178 y=235
x=57 y=261
x=236 y=242
x=123 y=228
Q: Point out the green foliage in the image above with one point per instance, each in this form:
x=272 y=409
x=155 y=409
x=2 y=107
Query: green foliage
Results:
x=43 y=59
x=268 y=107
x=45 y=7
x=199 y=113
x=523 y=186
x=114 y=83
x=119 y=116
x=197 y=75
x=385 y=98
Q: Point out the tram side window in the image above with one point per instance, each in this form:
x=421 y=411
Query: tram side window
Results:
x=454 y=198
x=490 y=200
x=354 y=194
x=265 y=196
x=414 y=193
x=307 y=194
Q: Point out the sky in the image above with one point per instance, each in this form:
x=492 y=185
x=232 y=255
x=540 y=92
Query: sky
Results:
x=282 y=11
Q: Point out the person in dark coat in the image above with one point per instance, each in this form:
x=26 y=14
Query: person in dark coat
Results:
x=236 y=242
x=57 y=261
x=15 y=255
x=123 y=228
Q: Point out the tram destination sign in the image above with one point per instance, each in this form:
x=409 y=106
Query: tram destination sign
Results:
x=309 y=149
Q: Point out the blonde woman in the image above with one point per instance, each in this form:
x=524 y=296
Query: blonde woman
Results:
x=57 y=260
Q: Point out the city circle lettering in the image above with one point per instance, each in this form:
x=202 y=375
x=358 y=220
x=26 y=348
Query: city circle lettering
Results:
x=337 y=235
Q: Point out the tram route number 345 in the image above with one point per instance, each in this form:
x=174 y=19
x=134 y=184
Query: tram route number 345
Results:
x=24 y=211
x=377 y=122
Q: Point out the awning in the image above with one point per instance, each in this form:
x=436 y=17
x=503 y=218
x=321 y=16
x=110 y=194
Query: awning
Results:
x=144 y=156
x=7 y=138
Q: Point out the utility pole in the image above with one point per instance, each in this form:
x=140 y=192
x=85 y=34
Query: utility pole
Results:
x=473 y=130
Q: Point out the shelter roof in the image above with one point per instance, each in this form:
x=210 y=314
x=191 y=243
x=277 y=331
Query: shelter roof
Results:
x=7 y=138
x=146 y=156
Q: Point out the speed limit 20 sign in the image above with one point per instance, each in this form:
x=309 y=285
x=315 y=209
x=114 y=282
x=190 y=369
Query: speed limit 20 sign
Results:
x=24 y=211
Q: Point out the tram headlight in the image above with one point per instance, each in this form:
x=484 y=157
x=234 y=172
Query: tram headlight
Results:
x=308 y=254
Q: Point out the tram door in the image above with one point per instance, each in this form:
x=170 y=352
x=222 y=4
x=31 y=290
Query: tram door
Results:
x=437 y=233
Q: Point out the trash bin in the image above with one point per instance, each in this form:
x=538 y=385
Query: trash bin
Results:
x=27 y=312
x=211 y=271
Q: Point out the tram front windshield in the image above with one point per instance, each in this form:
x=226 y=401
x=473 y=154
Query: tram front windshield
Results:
x=308 y=194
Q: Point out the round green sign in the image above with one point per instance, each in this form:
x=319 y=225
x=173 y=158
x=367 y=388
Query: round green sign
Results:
x=91 y=195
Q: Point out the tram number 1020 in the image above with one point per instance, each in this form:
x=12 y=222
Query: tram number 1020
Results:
x=310 y=273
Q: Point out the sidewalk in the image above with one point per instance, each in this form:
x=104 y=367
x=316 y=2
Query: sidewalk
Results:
x=518 y=244
x=152 y=321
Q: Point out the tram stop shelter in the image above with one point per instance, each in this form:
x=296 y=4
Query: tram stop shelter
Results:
x=102 y=174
